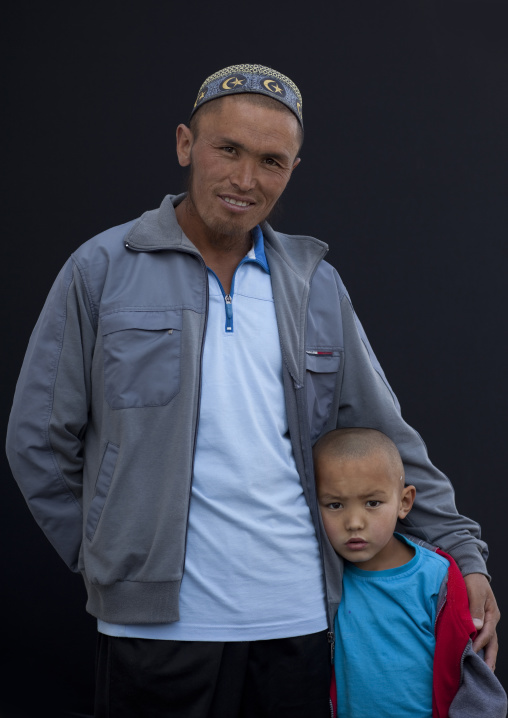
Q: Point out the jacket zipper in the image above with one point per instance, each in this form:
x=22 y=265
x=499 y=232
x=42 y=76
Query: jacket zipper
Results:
x=301 y=419
x=331 y=641
x=198 y=408
x=330 y=633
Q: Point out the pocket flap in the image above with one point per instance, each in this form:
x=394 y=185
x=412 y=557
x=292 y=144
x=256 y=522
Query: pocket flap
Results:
x=322 y=360
x=150 y=320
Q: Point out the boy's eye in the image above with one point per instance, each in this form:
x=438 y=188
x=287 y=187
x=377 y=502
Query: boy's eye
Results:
x=334 y=506
x=373 y=504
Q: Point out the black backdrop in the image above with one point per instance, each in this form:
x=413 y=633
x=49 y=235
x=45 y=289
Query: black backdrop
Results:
x=404 y=173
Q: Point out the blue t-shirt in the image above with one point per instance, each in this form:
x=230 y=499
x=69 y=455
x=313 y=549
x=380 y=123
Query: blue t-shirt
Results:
x=384 y=649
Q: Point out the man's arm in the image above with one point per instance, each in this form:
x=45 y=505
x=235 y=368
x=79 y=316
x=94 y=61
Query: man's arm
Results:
x=368 y=400
x=50 y=413
x=485 y=615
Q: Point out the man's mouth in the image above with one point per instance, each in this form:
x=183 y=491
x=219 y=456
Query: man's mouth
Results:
x=238 y=203
x=235 y=201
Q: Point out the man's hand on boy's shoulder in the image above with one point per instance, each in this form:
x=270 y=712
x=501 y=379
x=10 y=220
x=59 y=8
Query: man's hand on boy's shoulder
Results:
x=485 y=615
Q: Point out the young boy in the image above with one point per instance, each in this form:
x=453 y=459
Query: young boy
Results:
x=403 y=629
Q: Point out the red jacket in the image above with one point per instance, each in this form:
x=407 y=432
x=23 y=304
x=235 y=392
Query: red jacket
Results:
x=454 y=628
x=463 y=684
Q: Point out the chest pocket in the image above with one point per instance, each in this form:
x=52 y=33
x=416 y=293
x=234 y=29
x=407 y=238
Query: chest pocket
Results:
x=141 y=357
x=323 y=365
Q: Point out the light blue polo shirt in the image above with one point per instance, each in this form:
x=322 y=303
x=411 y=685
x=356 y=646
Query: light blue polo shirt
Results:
x=252 y=567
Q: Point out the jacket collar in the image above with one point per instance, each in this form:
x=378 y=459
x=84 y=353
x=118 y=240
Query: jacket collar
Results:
x=159 y=229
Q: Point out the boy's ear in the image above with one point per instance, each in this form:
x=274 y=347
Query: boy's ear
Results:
x=406 y=501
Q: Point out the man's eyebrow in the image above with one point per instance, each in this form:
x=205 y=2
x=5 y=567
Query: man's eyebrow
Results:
x=228 y=142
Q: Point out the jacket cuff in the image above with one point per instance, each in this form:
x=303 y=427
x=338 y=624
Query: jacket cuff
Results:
x=469 y=559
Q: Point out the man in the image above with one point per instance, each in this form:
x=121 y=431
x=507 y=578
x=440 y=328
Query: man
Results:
x=163 y=423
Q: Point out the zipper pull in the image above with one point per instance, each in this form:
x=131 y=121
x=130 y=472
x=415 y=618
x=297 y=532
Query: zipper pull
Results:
x=331 y=641
x=228 y=299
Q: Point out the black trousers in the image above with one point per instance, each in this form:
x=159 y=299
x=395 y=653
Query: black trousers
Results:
x=144 y=678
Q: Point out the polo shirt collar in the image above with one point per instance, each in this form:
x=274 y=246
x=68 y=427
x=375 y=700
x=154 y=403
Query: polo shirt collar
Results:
x=257 y=251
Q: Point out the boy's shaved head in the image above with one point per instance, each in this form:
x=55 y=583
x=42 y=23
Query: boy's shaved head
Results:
x=357 y=443
x=361 y=495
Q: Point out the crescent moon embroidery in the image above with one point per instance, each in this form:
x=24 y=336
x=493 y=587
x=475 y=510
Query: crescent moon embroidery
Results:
x=237 y=81
x=199 y=98
x=275 y=89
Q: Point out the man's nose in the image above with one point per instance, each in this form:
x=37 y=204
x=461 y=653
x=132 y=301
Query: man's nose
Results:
x=244 y=175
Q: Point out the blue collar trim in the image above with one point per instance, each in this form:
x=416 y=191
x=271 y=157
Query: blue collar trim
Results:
x=257 y=253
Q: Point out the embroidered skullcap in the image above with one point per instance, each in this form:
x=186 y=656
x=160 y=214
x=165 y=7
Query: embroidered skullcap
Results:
x=251 y=78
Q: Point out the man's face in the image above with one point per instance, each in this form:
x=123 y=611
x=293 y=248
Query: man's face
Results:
x=360 y=502
x=241 y=160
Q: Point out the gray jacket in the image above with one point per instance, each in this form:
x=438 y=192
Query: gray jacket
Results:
x=103 y=427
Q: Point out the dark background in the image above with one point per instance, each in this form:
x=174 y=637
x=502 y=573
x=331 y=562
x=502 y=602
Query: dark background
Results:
x=404 y=173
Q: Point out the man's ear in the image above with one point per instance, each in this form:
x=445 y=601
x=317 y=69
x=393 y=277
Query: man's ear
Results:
x=296 y=163
x=184 y=140
x=406 y=501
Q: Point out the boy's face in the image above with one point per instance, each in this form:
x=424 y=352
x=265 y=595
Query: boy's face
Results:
x=360 y=502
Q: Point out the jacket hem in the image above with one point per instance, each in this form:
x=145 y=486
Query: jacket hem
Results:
x=134 y=601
